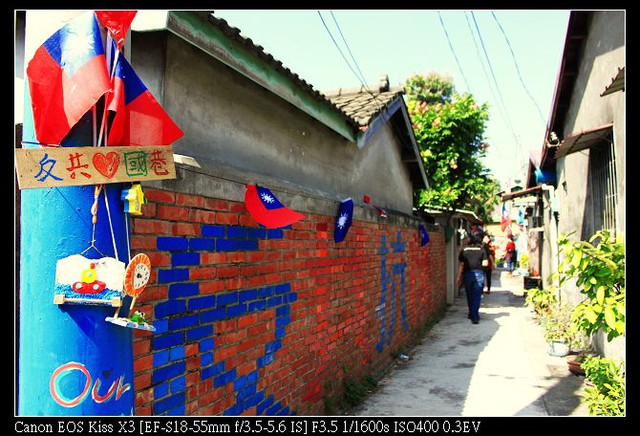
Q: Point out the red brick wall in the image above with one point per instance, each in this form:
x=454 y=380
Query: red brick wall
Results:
x=256 y=321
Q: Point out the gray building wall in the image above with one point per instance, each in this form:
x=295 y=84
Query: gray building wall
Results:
x=235 y=126
x=603 y=53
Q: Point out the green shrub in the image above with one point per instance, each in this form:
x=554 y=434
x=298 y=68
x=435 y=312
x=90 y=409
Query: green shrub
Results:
x=606 y=396
x=540 y=300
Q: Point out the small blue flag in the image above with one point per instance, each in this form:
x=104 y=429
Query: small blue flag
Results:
x=425 y=235
x=343 y=221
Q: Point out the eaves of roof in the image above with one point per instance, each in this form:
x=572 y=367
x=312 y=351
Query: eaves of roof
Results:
x=575 y=36
x=525 y=192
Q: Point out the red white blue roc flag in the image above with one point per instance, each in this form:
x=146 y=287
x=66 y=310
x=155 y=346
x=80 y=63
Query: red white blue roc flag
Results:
x=505 y=221
x=138 y=118
x=265 y=208
x=117 y=23
x=67 y=75
x=343 y=221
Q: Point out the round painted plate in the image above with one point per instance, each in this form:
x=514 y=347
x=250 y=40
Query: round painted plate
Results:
x=137 y=275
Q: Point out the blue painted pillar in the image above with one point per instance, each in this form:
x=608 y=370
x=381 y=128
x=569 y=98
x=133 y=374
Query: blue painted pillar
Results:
x=71 y=361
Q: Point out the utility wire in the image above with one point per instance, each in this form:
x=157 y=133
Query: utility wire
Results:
x=453 y=51
x=517 y=68
x=484 y=70
x=349 y=50
x=495 y=81
x=340 y=50
x=361 y=77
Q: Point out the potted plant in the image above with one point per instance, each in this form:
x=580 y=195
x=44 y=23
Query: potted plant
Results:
x=580 y=349
x=556 y=326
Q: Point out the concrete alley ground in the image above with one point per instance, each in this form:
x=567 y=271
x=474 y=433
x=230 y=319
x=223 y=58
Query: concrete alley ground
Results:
x=499 y=367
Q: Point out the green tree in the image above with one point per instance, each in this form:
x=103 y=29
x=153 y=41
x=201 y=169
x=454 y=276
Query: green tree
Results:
x=449 y=130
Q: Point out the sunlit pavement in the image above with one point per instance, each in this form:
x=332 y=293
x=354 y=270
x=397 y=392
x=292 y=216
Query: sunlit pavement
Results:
x=499 y=367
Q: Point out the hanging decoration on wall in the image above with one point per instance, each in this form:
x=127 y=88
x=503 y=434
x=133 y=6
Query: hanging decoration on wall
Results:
x=265 y=208
x=136 y=278
x=424 y=238
x=80 y=280
x=133 y=199
x=381 y=212
x=344 y=219
x=47 y=167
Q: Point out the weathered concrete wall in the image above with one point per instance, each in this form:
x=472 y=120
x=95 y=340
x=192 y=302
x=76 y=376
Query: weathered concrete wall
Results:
x=230 y=121
x=604 y=53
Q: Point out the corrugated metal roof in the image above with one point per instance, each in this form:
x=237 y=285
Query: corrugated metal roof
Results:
x=584 y=139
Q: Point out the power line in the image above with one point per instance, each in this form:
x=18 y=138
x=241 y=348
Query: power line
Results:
x=359 y=77
x=453 y=51
x=340 y=50
x=348 y=49
x=495 y=81
x=517 y=68
x=484 y=70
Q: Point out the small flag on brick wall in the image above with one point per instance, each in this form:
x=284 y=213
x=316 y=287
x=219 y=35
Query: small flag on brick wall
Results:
x=265 y=208
x=424 y=235
x=343 y=221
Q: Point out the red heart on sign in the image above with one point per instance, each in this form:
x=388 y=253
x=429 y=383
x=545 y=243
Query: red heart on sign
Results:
x=106 y=165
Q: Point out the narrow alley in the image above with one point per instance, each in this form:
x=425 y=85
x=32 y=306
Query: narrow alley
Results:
x=499 y=367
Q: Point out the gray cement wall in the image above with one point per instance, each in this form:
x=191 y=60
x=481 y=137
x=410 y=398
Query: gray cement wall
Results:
x=604 y=52
x=231 y=122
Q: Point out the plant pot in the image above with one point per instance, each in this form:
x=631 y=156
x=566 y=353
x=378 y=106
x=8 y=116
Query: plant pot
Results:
x=575 y=365
x=558 y=348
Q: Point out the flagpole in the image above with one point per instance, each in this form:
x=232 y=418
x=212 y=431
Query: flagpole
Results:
x=103 y=124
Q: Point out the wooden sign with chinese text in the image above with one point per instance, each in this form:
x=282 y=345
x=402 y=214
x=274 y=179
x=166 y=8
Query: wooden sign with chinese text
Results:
x=46 y=167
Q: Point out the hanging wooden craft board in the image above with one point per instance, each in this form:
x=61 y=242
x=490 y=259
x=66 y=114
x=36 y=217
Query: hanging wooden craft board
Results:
x=80 y=280
x=46 y=167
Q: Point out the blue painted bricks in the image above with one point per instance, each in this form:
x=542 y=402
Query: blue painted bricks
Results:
x=190 y=317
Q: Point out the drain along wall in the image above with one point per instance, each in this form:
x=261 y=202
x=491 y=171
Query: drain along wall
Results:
x=264 y=322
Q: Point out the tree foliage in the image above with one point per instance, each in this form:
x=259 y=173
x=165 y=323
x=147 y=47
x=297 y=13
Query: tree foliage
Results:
x=449 y=130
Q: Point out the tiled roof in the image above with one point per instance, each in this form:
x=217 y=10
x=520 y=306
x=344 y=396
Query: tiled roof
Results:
x=364 y=104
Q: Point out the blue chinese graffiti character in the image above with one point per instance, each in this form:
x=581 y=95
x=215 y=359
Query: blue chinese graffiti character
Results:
x=386 y=333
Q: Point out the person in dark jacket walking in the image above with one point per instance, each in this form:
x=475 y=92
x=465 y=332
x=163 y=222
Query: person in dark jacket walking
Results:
x=473 y=261
x=491 y=252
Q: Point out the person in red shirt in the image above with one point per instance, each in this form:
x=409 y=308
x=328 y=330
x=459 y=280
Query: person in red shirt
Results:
x=511 y=254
